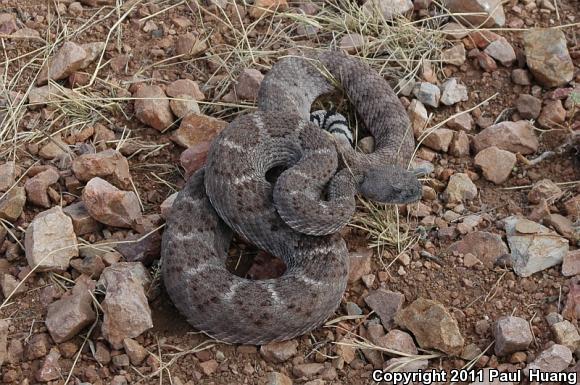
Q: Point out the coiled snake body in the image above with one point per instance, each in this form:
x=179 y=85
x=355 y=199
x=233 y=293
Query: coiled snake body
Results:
x=290 y=218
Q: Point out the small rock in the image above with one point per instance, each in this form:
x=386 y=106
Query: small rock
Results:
x=9 y=172
x=135 y=351
x=307 y=370
x=352 y=309
x=432 y=326
x=352 y=42
x=454 y=55
x=126 y=312
x=565 y=333
x=11 y=286
x=7 y=23
x=521 y=77
x=547 y=56
x=50 y=241
x=544 y=189
x=93 y=51
x=197 y=129
x=388 y=9
x=486 y=13
x=102 y=354
x=109 y=205
x=528 y=106
x=496 y=164
x=121 y=361
x=278 y=352
x=37 y=347
x=571 y=264
x=109 y=165
x=486 y=62
x=427 y=93
x=67 y=60
x=12 y=203
x=463 y=121
x=439 y=140
x=189 y=46
x=248 y=84
x=452 y=92
x=400 y=341
x=454 y=30
x=54 y=148
x=487 y=247
x=265 y=7
x=502 y=51
x=510 y=136
x=511 y=334
x=194 y=158
x=459 y=189
x=50 y=369
x=152 y=107
x=554 y=359
x=562 y=225
x=183 y=105
x=69 y=315
x=82 y=221
x=185 y=87
x=167 y=204
x=359 y=264
x=91 y=266
x=533 y=246
x=37 y=186
x=386 y=304
x=275 y=378
x=460 y=144
x=553 y=114
x=419 y=117
x=572 y=206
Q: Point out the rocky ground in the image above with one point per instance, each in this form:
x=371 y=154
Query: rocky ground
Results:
x=106 y=107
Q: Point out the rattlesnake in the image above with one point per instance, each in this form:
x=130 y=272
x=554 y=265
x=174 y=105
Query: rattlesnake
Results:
x=288 y=219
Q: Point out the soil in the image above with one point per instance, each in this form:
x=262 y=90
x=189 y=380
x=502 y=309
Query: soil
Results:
x=470 y=294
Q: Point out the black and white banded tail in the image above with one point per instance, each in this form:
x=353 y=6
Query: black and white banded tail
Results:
x=332 y=122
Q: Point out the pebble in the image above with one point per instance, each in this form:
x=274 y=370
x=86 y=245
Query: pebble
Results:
x=565 y=333
x=418 y=116
x=386 y=304
x=439 y=140
x=183 y=105
x=389 y=9
x=432 y=325
x=571 y=264
x=7 y=24
x=152 y=107
x=554 y=359
x=459 y=189
x=50 y=369
x=454 y=55
x=278 y=352
x=485 y=246
x=352 y=309
x=188 y=45
x=562 y=225
x=185 y=87
x=82 y=221
x=68 y=59
x=4 y=326
x=37 y=347
x=511 y=334
x=109 y=205
x=92 y=265
x=492 y=13
x=307 y=370
x=462 y=121
x=528 y=106
x=521 y=77
x=197 y=129
x=67 y=316
x=9 y=172
x=553 y=114
x=265 y=7
x=460 y=144
x=167 y=204
x=11 y=286
x=572 y=206
x=37 y=187
x=50 y=241
x=400 y=341
x=135 y=351
x=54 y=148
x=486 y=62
x=544 y=189
x=359 y=264
x=510 y=136
x=427 y=93
x=109 y=165
x=12 y=203
x=533 y=247
x=194 y=157
x=547 y=56
x=452 y=92
x=496 y=164
x=275 y=378
x=248 y=84
x=502 y=51
x=126 y=312
x=453 y=30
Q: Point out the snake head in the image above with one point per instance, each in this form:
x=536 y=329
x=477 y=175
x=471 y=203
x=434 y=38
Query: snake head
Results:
x=390 y=184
